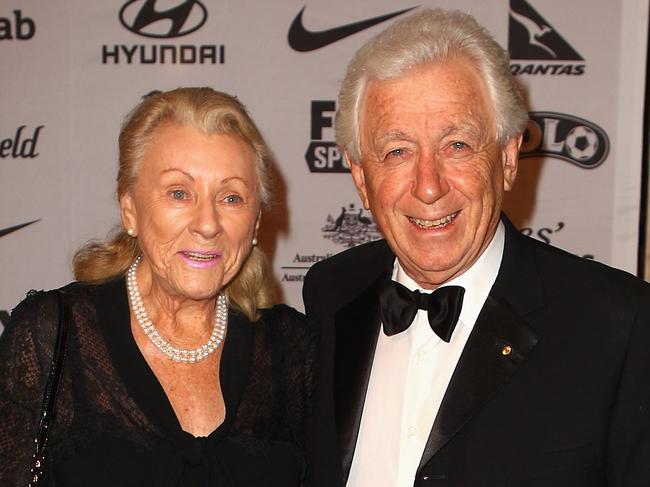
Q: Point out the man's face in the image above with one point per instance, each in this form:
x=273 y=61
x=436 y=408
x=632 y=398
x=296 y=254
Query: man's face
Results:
x=430 y=170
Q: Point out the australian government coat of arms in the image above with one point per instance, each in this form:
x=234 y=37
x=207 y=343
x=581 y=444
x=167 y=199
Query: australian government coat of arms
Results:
x=351 y=227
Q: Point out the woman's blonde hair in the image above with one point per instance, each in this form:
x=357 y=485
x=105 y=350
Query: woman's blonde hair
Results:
x=212 y=112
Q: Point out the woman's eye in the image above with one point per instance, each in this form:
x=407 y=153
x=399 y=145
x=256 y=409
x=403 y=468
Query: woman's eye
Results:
x=232 y=199
x=178 y=194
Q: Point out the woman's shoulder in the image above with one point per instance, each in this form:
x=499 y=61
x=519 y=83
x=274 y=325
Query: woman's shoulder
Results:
x=48 y=297
x=39 y=305
x=45 y=303
x=33 y=323
x=38 y=312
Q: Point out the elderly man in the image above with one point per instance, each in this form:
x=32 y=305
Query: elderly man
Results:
x=457 y=351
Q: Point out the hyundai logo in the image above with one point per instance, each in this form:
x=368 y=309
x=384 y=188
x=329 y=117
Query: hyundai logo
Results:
x=142 y=18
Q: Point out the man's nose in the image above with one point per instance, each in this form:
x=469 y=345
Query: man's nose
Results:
x=207 y=220
x=429 y=181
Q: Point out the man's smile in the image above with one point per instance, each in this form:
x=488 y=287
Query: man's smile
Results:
x=439 y=223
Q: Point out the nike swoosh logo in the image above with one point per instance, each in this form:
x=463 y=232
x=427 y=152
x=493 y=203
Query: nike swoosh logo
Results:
x=8 y=230
x=303 y=40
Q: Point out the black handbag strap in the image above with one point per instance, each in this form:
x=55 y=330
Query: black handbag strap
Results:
x=51 y=390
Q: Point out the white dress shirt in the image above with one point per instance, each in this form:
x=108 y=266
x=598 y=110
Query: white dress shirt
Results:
x=410 y=374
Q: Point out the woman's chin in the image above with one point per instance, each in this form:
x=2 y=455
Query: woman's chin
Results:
x=195 y=284
x=201 y=294
x=194 y=290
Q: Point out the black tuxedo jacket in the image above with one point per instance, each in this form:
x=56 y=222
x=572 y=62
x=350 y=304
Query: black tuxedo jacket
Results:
x=569 y=406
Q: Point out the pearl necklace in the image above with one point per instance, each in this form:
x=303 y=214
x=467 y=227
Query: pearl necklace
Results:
x=173 y=353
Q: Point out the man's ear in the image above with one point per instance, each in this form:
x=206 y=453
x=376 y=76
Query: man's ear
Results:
x=510 y=160
x=359 y=180
x=127 y=212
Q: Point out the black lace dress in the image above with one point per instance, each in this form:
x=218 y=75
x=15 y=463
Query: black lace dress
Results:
x=114 y=424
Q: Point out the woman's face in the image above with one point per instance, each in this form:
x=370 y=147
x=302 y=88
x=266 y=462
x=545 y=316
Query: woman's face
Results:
x=195 y=208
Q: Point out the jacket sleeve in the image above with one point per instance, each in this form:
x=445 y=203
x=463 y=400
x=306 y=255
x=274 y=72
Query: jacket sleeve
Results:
x=628 y=462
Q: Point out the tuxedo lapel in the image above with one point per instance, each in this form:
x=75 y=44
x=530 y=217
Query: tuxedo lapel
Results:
x=498 y=344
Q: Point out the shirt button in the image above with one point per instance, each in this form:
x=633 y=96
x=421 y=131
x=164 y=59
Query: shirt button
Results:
x=411 y=431
x=420 y=356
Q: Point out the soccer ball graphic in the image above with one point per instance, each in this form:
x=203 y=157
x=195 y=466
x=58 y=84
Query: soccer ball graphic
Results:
x=581 y=143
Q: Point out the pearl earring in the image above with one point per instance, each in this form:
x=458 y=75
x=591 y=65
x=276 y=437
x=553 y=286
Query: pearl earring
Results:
x=254 y=241
x=130 y=232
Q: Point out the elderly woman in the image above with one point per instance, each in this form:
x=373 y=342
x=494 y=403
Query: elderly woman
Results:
x=178 y=370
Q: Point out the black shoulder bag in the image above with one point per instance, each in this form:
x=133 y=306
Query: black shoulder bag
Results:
x=51 y=389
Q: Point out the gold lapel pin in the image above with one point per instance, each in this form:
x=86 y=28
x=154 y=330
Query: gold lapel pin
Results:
x=506 y=350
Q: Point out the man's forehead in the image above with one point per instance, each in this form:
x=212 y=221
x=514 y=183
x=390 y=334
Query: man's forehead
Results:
x=450 y=97
x=404 y=128
x=425 y=91
x=397 y=122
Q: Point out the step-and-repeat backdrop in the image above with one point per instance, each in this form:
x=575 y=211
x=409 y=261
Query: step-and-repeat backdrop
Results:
x=71 y=69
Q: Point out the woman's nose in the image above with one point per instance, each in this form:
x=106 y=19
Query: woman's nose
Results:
x=207 y=220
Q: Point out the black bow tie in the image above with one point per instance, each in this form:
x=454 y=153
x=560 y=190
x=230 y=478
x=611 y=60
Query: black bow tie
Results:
x=398 y=306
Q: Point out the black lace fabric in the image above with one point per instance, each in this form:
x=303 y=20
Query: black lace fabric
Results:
x=113 y=424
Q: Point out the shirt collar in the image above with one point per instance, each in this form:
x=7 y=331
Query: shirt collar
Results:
x=477 y=280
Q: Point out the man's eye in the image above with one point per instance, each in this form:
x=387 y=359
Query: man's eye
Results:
x=178 y=194
x=459 y=145
x=396 y=153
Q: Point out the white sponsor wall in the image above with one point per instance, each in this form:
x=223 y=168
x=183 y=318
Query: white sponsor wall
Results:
x=72 y=69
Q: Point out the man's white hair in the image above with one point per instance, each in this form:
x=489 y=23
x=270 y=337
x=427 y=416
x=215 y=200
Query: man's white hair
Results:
x=430 y=36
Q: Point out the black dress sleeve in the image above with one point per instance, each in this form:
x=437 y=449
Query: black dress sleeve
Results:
x=277 y=401
x=278 y=396
x=304 y=344
x=26 y=348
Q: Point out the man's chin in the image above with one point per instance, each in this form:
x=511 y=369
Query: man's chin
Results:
x=431 y=274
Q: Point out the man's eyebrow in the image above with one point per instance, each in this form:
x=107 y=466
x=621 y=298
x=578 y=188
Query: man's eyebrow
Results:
x=394 y=135
x=464 y=127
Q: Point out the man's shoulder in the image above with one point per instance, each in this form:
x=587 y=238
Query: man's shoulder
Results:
x=343 y=275
x=583 y=273
x=352 y=261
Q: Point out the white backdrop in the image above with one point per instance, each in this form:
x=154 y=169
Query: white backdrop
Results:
x=71 y=70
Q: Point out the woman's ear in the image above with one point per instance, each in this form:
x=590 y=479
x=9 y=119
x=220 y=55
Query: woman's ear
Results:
x=128 y=213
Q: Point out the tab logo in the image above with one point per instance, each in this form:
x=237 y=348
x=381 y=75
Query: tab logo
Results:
x=565 y=137
x=532 y=38
x=21 y=28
